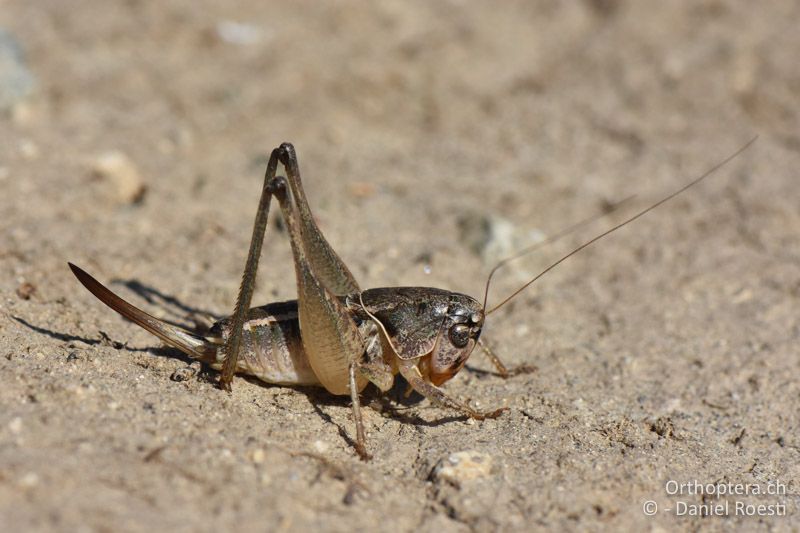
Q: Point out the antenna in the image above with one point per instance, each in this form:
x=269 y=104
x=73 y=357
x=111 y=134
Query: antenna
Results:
x=626 y=222
x=552 y=238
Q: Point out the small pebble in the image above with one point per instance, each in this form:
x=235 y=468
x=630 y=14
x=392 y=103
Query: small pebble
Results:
x=81 y=391
x=493 y=237
x=362 y=189
x=238 y=33
x=28 y=149
x=26 y=290
x=183 y=374
x=23 y=113
x=15 y=426
x=16 y=80
x=258 y=456
x=464 y=466
x=29 y=480
x=117 y=168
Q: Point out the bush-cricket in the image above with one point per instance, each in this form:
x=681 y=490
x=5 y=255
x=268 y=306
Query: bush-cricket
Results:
x=336 y=335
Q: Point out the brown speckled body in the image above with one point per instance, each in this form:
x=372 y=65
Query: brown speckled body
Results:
x=395 y=325
x=413 y=317
x=271 y=347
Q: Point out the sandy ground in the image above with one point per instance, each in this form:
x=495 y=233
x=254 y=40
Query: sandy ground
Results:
x=433 y=138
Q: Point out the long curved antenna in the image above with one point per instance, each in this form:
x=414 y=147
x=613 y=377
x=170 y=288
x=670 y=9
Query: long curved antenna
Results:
x=628 y=221
x=552 y=238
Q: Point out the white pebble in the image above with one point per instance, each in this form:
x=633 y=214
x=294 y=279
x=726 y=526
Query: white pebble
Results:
x=118 y=169
x=29 y=480
x=239 y=33
x=258 y=456
x=15 y=426
x=28 y=149
x=463 y=466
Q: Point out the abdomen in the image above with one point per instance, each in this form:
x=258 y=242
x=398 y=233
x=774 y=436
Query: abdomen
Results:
x=271 y=348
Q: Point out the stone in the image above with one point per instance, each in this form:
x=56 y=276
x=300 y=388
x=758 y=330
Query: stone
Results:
x=464 y=466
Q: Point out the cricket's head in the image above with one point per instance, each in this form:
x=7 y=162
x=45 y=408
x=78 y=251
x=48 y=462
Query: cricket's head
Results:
x=460 y=330
x=436 y=327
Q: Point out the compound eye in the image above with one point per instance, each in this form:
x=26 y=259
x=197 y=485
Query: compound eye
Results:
x=459 y=335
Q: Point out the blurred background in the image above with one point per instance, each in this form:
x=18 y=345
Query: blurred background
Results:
x=434 y=138
x=145 y=122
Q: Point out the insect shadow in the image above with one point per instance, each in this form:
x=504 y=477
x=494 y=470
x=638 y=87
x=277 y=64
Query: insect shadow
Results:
x=187 y=313
x=161 y=351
